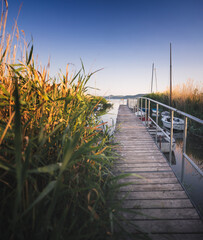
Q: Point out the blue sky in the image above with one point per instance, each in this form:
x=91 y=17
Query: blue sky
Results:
x=123 y=37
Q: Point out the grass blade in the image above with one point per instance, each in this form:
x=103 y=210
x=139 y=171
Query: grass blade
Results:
x=42 y=195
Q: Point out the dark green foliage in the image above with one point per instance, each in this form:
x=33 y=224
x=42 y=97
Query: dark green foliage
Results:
x=55 y=164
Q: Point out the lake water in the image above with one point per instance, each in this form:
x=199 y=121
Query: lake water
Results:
x=110 y=117
x=193 y=182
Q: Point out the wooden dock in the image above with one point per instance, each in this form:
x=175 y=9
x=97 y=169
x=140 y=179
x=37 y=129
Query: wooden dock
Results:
x=155 y=201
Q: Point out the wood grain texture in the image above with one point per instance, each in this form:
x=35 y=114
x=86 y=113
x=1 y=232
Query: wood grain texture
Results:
x=151 y=197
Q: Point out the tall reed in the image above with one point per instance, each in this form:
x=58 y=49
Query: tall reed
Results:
x=55 y=161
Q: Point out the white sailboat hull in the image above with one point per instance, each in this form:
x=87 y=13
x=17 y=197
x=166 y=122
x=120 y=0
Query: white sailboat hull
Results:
x=178 y=124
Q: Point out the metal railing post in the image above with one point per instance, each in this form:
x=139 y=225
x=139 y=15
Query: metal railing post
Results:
x=141 y=108
x=157 y=118
x=134 y=101
x=186 y=116
x=184 y=149
x=146 y=112
x=171 y=138
x=148 y=115
x=138 y=104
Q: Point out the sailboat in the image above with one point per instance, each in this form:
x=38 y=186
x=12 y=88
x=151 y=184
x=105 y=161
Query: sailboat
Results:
x=178 y=123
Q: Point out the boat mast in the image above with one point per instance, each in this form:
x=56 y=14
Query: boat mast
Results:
x=170 y=76
x=171 y=112
x=152 y=77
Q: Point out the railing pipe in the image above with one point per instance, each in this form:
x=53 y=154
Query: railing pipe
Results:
x=186 y=116
x=160 y=129
x=177 y=111
x=193 y=164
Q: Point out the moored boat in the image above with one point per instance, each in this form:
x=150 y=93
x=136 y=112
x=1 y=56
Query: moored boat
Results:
x=165 y=114
x=154 y=112
x=178 y=123
x=141 y=116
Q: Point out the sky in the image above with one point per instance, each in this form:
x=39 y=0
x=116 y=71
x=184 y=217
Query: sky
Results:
x=123 y=38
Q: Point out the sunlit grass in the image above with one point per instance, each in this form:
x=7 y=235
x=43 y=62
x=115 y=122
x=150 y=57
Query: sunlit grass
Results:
x=190 y=90
x=55 y=177
x=187 y=97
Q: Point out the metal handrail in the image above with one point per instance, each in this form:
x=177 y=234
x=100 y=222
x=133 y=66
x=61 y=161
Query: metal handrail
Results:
x=193 y=164
x=175 y=110
x=186 y=116
x=166 y=135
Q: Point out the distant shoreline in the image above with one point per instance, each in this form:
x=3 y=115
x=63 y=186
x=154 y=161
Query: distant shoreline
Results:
x=124 y=96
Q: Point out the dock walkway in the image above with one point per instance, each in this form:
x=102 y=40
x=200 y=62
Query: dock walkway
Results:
x=157 y=202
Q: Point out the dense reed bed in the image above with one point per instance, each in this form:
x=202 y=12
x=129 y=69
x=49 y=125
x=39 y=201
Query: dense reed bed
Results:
x=55 y=178
x=188 y=98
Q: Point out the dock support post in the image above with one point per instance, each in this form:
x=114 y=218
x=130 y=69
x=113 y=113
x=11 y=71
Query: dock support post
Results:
x=146 y=112
x=184 y=149
x=157 y=118
x=141 y=108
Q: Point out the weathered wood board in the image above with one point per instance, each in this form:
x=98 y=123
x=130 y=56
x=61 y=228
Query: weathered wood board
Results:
x=152 y=198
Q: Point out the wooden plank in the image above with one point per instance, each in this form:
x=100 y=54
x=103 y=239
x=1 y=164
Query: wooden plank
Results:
x=134 y=161
x=137 y=147
x=139 y=159
x=151 y=187
x=141 y=165
x=149 y=175
x=152 y=195
x=165 y=226
x=131 y=156
x=148 y=181
x=134 y=139
x=140 y=156
x=152 y=169
x=165 y=210
x=158 y=214
x=159 y=236
x=137 y=138
x=188 y=236
x=139 y=153
x=144 y=152
x=160 y=203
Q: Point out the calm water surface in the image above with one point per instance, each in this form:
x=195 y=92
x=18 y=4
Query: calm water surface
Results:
x=193 y=182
